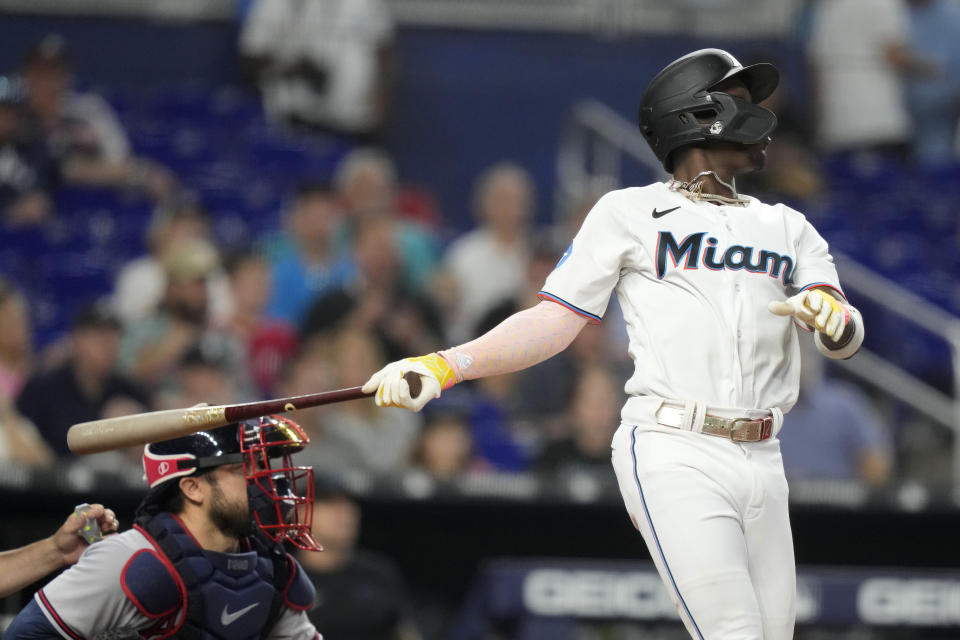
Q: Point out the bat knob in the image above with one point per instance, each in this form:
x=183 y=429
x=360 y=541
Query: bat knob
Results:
x=414 y=382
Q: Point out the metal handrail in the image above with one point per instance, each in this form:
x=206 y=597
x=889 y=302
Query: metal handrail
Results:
x=591 y=150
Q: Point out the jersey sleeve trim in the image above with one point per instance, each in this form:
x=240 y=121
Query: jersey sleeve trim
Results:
x=543 y=295
x=62 y=627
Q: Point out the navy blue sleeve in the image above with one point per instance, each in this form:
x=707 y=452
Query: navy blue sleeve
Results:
x=31 y=624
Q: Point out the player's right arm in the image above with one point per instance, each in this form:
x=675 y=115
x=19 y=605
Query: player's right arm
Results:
x=576 y=292
x=21 y=567
x=522 y=340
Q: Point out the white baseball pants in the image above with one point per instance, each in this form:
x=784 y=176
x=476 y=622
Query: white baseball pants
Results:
x=713 y=514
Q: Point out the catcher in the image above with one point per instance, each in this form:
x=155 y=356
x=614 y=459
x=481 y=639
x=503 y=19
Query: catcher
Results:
x=204 y=558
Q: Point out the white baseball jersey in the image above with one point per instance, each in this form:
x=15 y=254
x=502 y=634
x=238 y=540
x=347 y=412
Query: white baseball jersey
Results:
x=694 y=280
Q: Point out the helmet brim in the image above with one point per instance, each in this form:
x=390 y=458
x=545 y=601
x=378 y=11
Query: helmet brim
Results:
x=761 y=79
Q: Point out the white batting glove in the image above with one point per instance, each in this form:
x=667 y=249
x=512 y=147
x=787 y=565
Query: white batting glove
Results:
x=817 y=309
x=392 y=390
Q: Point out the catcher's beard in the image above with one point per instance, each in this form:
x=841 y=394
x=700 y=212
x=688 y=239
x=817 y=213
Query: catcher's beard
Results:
x=232 y=519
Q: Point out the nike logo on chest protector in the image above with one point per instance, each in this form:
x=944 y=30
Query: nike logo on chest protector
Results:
x=227 y=618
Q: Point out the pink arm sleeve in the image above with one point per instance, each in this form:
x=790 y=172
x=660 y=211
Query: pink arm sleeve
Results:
x=522 y=340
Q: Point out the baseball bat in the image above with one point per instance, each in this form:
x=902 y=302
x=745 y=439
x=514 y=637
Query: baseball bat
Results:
x=138 y=429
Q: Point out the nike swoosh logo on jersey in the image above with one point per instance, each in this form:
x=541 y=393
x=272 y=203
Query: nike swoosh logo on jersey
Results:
x=658 y=214
x=227 y=618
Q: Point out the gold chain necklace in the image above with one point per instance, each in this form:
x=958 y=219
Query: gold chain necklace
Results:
x=693 y=189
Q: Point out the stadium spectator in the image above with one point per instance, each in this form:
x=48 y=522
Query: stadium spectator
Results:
x=203 y=375
x=78 y=389
x=128 y=459
x=444 y=448
x=153 y=347
x=20 y=442
x=304 y=263
x=488 y=265
x=268 y=343
x=322 y=65
x=852 y=444
x=16 y=340
x=367 y=185
x=593 y=415
x=312 y=369
x=934 y=99
x=377 y=298
x=859 y=75
x=361 y=595
x=28 y=172
x=81 y=130
x=141 y=282
x=382 y=439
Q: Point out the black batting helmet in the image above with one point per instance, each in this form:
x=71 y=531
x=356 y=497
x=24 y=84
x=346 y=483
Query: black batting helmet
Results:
x=280 y=495
x=680 y=106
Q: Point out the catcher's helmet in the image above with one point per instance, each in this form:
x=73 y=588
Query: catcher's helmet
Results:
x=280 y=495
x=680 y=106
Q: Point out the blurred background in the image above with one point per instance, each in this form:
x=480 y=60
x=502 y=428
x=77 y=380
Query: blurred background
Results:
x=220 y=201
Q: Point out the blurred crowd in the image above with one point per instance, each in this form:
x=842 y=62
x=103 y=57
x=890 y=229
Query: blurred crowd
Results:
x=360 y=273
x=346 y=285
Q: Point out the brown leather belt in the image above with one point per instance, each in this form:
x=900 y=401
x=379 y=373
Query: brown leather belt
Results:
x=736 y=429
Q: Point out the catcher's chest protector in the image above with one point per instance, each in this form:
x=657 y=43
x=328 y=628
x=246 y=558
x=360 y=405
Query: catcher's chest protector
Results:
x=229 y=596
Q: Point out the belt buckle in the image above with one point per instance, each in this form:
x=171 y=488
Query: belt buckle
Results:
x=756 y=429
x=739 y=429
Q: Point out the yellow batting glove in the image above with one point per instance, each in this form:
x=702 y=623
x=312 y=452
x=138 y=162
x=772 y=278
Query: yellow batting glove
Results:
x=393 y=390
x=817 y=309
x=439 y=369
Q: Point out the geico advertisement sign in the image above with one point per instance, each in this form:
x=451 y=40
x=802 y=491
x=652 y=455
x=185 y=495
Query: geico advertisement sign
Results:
x=616 y=594
x=927 y=602
x=596 y=594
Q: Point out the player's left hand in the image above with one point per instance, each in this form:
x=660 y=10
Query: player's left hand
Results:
x=817 y=309
x=67 y=539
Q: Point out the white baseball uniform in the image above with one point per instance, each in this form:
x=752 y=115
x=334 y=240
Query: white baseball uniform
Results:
x=694 y=280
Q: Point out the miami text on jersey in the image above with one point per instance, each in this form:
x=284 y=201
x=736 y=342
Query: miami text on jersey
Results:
x=736 y=257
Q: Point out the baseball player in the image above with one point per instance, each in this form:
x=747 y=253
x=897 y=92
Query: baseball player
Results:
x=204 y=559
x=713 y=285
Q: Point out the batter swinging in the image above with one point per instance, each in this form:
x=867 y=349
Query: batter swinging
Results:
x=713 y=286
